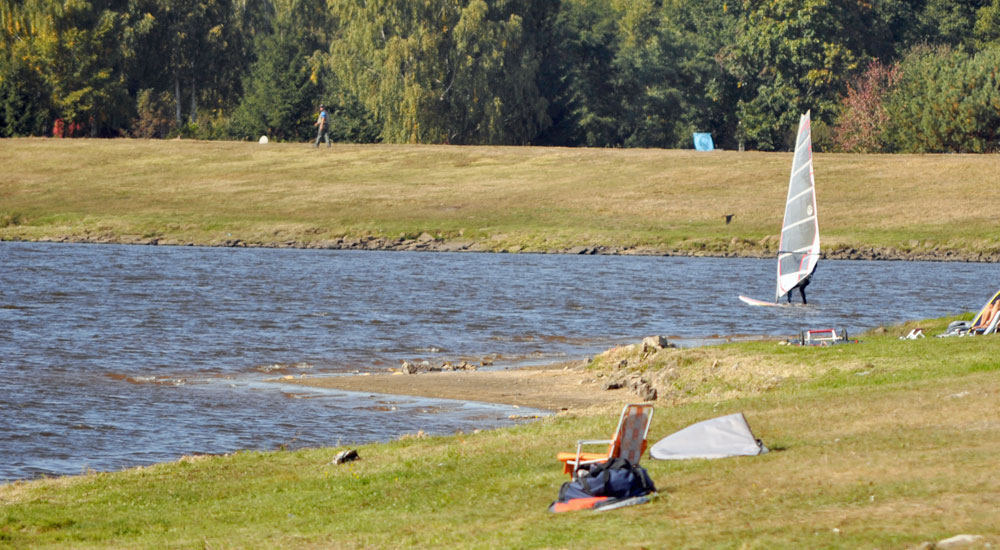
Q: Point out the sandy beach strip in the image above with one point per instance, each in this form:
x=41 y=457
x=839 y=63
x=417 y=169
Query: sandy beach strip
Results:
x=555 y=387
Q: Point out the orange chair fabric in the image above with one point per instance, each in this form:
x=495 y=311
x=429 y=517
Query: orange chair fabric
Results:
x=629 y=441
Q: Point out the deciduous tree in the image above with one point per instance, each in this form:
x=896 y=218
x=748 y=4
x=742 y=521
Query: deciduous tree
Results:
x=791 y=56
x=446 y=71
x=864 y=123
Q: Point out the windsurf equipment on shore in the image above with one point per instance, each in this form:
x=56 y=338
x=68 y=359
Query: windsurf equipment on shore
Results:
x=720 y=437
x=798 y=251
x=822 y=337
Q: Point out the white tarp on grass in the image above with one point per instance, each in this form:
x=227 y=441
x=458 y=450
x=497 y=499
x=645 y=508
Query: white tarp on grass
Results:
x=716 y=438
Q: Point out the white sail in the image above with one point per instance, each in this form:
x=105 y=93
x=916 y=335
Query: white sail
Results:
x=799 y=248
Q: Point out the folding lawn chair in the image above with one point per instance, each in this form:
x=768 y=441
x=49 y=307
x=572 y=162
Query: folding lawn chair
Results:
x=982 y=323
x=990 y=329
x=976 y=326
x=628 y=442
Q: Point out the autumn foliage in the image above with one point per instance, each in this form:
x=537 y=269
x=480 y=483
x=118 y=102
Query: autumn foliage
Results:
x=863 y=124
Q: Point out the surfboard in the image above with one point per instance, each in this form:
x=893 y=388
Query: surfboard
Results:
x=755 y=302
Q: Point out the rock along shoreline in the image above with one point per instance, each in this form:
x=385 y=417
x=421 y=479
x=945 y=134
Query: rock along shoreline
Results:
x=428 y=243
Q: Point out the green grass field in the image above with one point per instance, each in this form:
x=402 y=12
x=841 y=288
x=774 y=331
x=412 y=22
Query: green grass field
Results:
x=503 y=198
x=885 y=444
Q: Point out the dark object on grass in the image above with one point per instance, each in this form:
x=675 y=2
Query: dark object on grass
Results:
x=609 y=485
x=346 y=456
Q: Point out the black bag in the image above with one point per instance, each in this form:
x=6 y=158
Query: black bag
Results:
x=616 y=478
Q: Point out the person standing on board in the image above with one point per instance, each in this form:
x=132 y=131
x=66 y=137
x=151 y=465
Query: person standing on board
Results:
x=802 y=290
x=322 y=126
x=802 y=287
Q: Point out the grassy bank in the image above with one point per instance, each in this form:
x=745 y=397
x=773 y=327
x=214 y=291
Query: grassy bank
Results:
x=488 y=198
x=884 y=444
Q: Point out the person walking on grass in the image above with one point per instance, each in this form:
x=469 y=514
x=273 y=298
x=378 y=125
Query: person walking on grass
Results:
x=322 y=126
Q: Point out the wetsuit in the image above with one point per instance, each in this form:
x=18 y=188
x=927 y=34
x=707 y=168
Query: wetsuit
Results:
x=802 y=290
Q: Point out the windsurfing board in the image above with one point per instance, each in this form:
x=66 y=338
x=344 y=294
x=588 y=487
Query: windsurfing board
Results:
x=755 y=302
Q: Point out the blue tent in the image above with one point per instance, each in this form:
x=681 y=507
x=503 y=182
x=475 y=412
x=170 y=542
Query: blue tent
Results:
x=703 y=142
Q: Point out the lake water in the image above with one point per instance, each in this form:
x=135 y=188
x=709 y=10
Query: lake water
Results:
x=118 y=356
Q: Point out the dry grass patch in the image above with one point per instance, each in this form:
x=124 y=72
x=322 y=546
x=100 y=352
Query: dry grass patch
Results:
x=741 y=369
x=716 y=372
x=532 y=197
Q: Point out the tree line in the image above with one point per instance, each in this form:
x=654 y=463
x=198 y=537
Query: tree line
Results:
x=878 y=76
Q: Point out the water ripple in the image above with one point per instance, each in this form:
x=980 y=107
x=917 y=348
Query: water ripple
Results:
x=117 y=356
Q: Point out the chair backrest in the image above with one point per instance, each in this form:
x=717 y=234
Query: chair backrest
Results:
x=629 y=441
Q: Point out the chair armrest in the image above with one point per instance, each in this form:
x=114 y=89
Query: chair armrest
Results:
x=580 y=443
x=593 y=442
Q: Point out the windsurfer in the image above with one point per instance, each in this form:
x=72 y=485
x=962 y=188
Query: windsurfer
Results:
x=802 y=290
x=802 y=287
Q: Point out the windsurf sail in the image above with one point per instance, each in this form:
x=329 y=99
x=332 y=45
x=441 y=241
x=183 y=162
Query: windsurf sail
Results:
x=799 y=248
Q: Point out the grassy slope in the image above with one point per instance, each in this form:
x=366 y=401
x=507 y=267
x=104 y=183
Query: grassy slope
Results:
x=538 y=198
x=880 y=445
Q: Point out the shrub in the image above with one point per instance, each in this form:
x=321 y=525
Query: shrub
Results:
x=25 y=100
x=155 y=115
x=946 y=101
x=863 y=122
x=8 y=219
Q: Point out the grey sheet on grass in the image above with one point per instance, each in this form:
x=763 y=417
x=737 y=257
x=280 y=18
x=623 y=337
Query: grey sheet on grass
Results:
x=716 y=438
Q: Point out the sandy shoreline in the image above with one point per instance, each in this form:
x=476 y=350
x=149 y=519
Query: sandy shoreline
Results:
x=556 y=387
